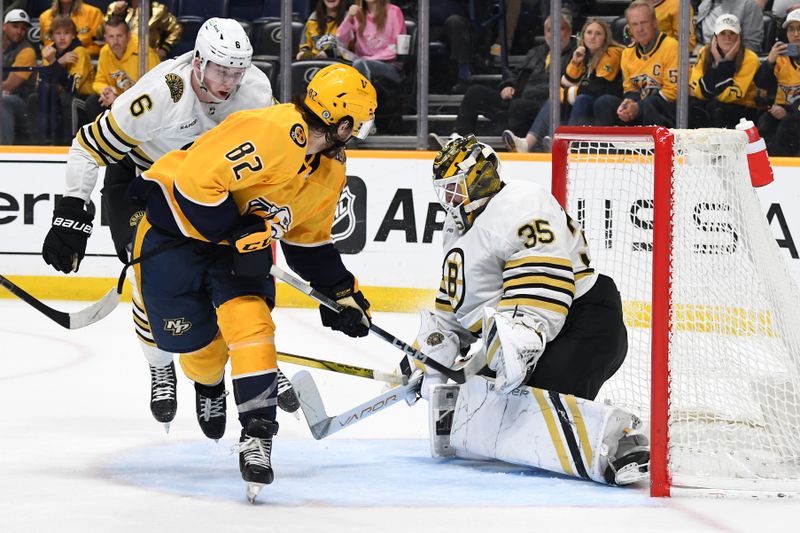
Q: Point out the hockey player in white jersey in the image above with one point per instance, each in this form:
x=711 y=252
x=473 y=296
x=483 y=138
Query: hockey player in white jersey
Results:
x=517 y=273
x=167 y=109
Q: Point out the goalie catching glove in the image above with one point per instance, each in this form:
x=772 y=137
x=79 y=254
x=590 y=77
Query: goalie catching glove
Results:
x=65 y=243
x=354 y=320
x=513 y=345
x=252 y=253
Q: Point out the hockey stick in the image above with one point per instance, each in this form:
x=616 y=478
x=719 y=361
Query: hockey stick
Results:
x=322 y=425
x=459 y=376
x=75 y=320
x=350 y=370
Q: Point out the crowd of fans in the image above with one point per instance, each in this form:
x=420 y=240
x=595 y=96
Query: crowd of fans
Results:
x=616 y=70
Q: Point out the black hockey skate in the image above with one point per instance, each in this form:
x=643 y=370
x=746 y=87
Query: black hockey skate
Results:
x=211 y=409
x=163 y=398
x=255 y=448
x=632 y=462
x=287 y=397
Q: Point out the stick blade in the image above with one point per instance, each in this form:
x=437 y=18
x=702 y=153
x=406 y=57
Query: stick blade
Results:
x=311 y=404
x=97 y=311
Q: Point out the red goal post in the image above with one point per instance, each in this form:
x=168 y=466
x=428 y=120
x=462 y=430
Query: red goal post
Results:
x=670 y=214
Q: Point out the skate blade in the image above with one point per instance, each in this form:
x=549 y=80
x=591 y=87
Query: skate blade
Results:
x=253 y=489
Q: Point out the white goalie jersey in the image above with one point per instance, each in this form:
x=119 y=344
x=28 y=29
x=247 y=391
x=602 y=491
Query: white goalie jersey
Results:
x=523 y=254
x=160 y=113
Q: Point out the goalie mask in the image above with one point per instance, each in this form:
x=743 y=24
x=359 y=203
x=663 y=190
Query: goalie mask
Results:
x=222 y=53
x=465 y=177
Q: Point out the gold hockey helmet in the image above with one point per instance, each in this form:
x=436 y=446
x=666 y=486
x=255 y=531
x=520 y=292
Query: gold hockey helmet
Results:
x=465 y=176
x=339 y=91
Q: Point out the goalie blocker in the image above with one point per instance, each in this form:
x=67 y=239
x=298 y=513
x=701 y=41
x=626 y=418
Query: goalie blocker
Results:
x=543 y=429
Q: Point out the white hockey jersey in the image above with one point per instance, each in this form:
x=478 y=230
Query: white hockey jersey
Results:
x=523 y=253
x=159 y=114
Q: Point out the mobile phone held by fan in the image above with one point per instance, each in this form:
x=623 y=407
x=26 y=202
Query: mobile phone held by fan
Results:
x=791 y=50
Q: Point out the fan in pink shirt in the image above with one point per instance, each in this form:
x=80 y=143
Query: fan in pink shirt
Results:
x=373 y=26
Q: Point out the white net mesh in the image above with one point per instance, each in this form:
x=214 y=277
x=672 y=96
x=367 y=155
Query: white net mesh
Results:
x=734 y=350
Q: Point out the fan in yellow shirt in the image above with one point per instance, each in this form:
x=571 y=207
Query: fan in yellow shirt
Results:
x=69 y=73
x=87 y=18
x=118 y=66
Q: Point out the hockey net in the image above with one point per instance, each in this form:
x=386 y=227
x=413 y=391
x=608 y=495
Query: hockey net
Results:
x=712 y=312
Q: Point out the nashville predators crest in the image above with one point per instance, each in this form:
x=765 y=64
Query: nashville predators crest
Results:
x=298 y=135
x=175 y=85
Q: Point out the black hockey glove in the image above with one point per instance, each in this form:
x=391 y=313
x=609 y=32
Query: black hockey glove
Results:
x=65 y=243
x=354 y=320
x=252 y=250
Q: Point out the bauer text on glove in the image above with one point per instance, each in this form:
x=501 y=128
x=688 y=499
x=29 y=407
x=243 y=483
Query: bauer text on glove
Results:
x=65 y=243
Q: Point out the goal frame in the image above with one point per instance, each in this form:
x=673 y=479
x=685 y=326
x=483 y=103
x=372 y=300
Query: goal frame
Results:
x=663 y=168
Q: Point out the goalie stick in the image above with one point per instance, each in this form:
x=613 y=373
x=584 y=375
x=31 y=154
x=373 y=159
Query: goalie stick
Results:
x=75 y=320
x=350 y=370
x=459 y=376
x=322 y=425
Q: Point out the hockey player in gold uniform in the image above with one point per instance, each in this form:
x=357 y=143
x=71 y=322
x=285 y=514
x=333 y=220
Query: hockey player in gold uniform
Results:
x=212 y=213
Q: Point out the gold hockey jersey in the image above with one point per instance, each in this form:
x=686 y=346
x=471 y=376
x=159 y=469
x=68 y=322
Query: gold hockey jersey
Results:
x=523 y=254
x=257 y=159
x=737 y=88
x=653 y=72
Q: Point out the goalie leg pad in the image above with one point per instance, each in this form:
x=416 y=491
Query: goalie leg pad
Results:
x=435 y=341
x=441 y=406
x=534 y=427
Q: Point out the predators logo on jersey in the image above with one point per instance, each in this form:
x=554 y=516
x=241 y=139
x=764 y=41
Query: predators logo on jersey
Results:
x=175 y=85
x=298 y=135
x=279 y=216
x=645 y=84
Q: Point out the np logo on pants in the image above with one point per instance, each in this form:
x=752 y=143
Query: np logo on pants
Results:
x=177 y=326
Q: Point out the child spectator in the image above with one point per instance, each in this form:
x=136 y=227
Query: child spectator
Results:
x=87 y=18
x=324 y=20
x=68 y=75
x=118 y=67
x=163 y=28
x=722 y=79
x=593 y=71
x=649 y=75
x=780 y=125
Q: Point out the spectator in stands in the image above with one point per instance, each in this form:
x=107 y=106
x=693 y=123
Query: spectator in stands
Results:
x=649 y=75
x=164 y=29
x=118 y=67
x=450 y=22
x=370 y=29
x=747 y=11
x=324 y=20
x=722 y=86
x=780 y=125
x=17 y=53
x=69 y=74
x=519 y=97
x=87 y=18
x=668 y=16
x=15 y=4
x=594 y=70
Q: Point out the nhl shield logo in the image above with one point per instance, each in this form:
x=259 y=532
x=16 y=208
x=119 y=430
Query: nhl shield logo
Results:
x=349 y=231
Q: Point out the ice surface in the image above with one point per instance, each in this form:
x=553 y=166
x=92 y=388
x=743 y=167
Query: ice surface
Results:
x=80 y=452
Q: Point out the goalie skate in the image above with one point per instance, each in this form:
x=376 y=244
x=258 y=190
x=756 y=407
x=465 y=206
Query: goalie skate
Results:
x=442 y=405
x=632 y=463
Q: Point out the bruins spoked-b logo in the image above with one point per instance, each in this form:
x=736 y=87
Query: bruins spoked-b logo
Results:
x=175 y=85
x=453 y=277
x=177 y=326
x=298 y=135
